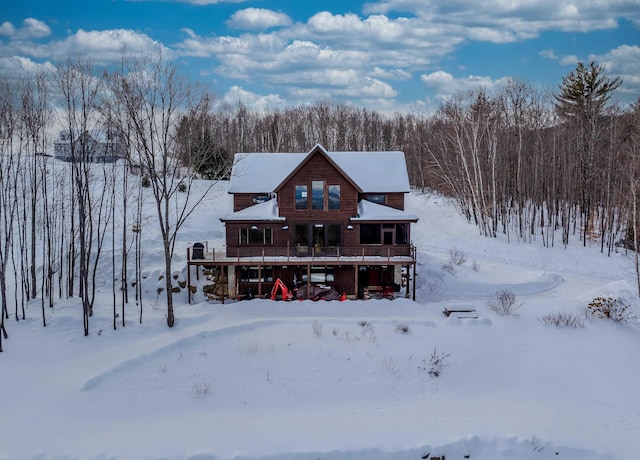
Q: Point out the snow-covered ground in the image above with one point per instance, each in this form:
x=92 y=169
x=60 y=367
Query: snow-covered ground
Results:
x=338 y=380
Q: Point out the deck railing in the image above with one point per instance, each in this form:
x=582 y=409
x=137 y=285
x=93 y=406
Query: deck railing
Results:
x=290 y=253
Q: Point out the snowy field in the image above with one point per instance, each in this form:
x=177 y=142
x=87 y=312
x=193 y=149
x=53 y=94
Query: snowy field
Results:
x=338 y=380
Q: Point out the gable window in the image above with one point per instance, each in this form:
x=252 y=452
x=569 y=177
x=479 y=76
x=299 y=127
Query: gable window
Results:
x=260 y=198
x=378 y=198
x=334 y=196
x=255 y=235
x=301 y=197
x=317 y=194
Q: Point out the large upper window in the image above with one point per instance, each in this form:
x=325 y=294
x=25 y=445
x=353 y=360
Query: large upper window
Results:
x=301 y=197
x=334 y=196
x=317 y=194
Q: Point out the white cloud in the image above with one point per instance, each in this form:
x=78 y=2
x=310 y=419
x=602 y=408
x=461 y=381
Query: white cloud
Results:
x=258 y=19
x=508 y=20
x=7 y=29
x=443 y=85
x=390 y=74
x=257 y=102
x=102 y=46
x=623 y=62
x=548 y=54
x=17 y=66
x=571 y=59
x=31 y=29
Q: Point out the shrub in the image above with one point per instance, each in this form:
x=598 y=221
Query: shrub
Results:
x=201 y=390
x=403 y=328
x=562 y=320
x=434 y=365
x=317 y=328
x=457 y=257
x=182 y=187
x=503 y=302
x=448 y=267
x=608 y=308
x=146 y=182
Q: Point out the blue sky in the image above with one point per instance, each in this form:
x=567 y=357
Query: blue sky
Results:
x=388 y=55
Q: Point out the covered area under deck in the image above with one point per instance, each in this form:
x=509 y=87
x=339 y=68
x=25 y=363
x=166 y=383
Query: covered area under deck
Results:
x=364 y=272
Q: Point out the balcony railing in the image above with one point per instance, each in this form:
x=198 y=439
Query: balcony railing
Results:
x=331 y=254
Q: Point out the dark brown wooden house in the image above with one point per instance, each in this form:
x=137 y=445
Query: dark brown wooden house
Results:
x=330 y=218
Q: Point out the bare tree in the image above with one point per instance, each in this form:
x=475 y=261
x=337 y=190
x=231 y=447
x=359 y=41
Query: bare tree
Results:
x=79 y=91
x=155 y=96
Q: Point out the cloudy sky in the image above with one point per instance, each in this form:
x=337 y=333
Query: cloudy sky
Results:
x=384 y=54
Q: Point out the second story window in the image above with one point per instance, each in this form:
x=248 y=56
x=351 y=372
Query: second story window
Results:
x=301 y=197
x=317 y=194
x=334 y=197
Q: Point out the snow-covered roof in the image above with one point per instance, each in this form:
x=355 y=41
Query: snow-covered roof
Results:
x=373 y=211
x=373 y=172
x=267 y=211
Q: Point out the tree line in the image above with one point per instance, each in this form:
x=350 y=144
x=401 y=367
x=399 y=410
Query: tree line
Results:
x=521 y=160
x=59 y=219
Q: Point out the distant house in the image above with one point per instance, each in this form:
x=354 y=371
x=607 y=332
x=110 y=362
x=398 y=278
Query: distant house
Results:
x=99 y=146
x=330 y=218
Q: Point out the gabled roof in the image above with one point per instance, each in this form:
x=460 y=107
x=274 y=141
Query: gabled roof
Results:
x=370 y=172
x=261 y=212
x=317 y=150
x=368 y=211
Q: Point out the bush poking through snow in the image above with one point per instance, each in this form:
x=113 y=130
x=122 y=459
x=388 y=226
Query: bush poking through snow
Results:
x=317 y=328
x=434 y=365
x=389 y=366
x=201 y=390
x=562 y=320
x=608 y=308
x=403 y=328
x=503 y=302
x=457 y=256
x=448 y=267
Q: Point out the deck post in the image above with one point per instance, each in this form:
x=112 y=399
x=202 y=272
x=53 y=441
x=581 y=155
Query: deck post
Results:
x=189 y=274
x=414 y=280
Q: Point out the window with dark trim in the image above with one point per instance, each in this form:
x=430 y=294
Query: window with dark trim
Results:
x=256 y=235
x=301 y=197
x=255 y=275
x=333 y=192
x=317 y=194
x=260 y=198
x=302 y=235
x=378 y=198
x=320 y=274
x=373 y=233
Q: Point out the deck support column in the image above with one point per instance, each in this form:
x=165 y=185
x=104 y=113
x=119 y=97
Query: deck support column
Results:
x=355 y=277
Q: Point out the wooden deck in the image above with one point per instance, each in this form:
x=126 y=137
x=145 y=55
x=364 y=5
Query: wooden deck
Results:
x=376 y=255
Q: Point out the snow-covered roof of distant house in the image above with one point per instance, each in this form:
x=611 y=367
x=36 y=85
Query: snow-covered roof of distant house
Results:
x=373 y=172
x=377 y=212
x=266 y=212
